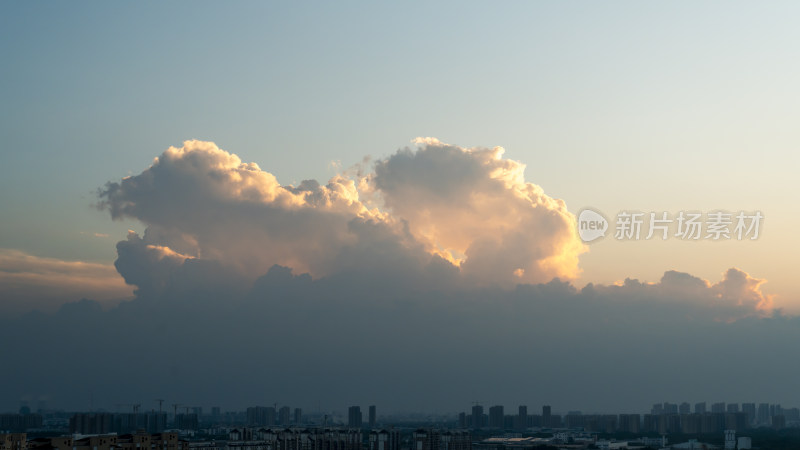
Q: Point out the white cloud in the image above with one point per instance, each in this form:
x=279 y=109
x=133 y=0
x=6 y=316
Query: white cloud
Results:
x=474 y=207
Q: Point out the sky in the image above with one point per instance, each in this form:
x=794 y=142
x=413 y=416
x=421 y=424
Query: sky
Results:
x=410 y=162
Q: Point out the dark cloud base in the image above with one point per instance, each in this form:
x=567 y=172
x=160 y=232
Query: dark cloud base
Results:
x=348 y=339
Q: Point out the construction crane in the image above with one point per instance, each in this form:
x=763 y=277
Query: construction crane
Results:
x=175 y=409
x=160 y=402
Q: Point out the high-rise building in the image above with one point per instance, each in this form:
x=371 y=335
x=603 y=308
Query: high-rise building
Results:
x=261 y=416
x=91 y=423
x=187 y=422
x=732 y=408
x=285 y=415
x=763 y=414
x=650 y=423
x=156 y=422
x=298 y=416
x=750 y=410
x=629 y=423
x=522 y=418
x=685 y=408
x=477 y=416
x=691 y=423
x=496 y=416
x=718 y=407
x=712 y=423
x=546 y=419
x=735 y=421
x=373 y=416
x=20 y=422
x=700 y=408
x=354 y=417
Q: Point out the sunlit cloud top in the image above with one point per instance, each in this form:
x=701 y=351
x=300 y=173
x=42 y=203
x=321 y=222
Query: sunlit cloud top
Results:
x=467 y=206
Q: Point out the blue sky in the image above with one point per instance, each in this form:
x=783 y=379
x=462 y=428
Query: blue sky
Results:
x=624 y=105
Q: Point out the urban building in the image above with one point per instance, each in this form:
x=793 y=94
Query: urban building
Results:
x=91 y=423
x=284 y=416
x=384 y=439
x=496 y=417
x=522 y=418
x=13 y=441
x=629 y=423
x=20 y=422
x=137 y=441
x=261 y=416
x=354 y=417
x=431 y=439
x=295 y=439
x=298 y=416
x=546 y=416
x=477 y=417
x=700 y=408
x=187 y=421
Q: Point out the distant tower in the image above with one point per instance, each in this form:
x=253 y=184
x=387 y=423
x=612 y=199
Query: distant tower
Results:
x=354 y=417
x=285 y=416
x=298 y=416
x=496 y=416
x=477 y=416
x=522 y=418
x=373 y=416
x=546 y=415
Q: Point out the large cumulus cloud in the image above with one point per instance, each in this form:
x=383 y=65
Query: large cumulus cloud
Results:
x=439 y=205
x=435 y=216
